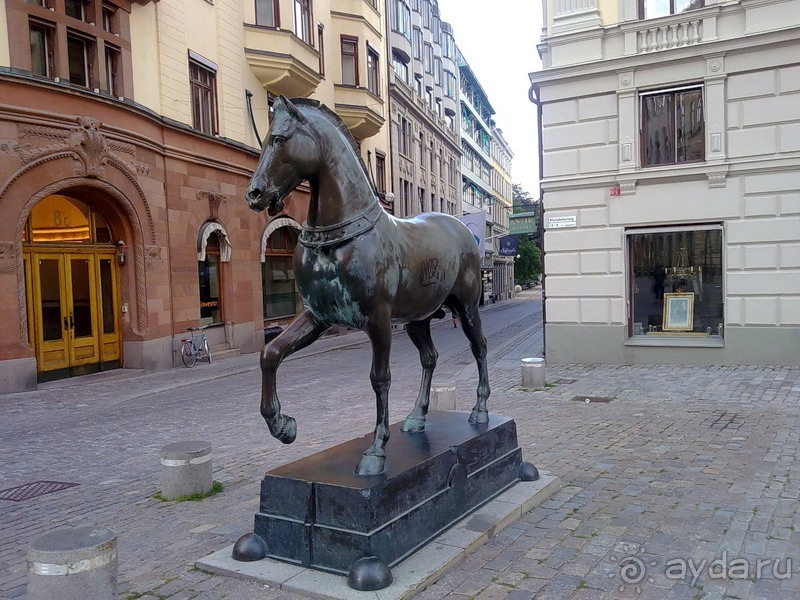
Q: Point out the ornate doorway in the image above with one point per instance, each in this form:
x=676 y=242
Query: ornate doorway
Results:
x=72 y=288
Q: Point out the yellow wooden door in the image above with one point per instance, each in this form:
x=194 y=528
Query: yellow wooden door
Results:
x=109 y=307
x=51 y=316
x=81 y=296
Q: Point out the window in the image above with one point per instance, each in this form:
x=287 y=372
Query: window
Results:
x=401 y=18
x=110 y=18
x=405 y=136
x=673 y=127
x=80 y=53
x=321 y=47
x=209 y=275
x=42 y=59
x=373 y=72
x=302 y=20
x=380 y=171
x=271 y=106
x=684 y=264
x=450 y=84
x=77 y=9
x=418 y=85
x=277 y=276
x=437 y=70
x=417 y=43
x=400 y=68
x=421 y=200
x=267 y=13
x=112 y=65
x=349 y=60
x=203 y=82
x=650 y=9
x=428 y=52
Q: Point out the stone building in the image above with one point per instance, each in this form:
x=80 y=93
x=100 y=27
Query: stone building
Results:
x=671 y=184
x=485 y=179
x=128 y=133
x=502 y=266
x=423 y=100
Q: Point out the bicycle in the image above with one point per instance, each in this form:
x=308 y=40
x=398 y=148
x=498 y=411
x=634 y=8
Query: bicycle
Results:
x=195 y=346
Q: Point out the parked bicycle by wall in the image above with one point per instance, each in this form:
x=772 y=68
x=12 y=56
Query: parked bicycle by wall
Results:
x=195 y=346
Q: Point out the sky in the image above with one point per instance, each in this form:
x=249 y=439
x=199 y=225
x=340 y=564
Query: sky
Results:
x=498 y=39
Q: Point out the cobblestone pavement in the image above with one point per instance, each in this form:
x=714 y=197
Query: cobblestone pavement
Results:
x=684 y=466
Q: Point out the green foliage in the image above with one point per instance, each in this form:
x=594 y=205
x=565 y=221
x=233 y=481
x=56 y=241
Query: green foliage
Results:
x=523 y=201
x=529 y=264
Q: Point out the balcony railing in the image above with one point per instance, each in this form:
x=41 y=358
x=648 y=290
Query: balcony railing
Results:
x=673 y=31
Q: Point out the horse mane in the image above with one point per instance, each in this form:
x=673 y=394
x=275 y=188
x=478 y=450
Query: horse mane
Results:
x=337 y=122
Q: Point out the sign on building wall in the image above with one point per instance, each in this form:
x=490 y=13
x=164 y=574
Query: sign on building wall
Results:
x=509 y=245
x=561 y=222
x=522 y=223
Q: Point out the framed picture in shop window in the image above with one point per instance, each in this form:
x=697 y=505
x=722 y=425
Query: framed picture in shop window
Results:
x=678 y=311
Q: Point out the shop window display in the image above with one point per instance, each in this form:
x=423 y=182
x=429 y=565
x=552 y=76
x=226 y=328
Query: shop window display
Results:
x=673 y=271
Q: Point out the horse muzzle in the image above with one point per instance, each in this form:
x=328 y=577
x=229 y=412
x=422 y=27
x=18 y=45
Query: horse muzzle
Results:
x=269 y=199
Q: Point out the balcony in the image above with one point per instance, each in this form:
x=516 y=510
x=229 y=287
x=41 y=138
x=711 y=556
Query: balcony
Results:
x=283 y=63
x=358 y=10
x=674 y=31
x=361 y=111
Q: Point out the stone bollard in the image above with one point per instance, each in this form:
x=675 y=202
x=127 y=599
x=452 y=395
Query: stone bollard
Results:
x=73 y=563
x=443 y=395
x=186 y=469
x=532 y=372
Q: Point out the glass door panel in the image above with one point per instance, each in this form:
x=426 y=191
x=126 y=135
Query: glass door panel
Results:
x=50 y=304
x=82 y=296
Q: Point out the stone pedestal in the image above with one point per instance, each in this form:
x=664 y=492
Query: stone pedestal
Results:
x=532 y=372
x=73 y=563
x=317 y=513
x=186 y=469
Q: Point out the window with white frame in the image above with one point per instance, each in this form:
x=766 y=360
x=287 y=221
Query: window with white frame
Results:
x=675 y=281
x=303 y=20
x=650 y=9
x=672 y=126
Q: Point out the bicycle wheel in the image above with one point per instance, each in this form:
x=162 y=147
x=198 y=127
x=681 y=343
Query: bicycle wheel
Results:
x=188 y=354
x=207 y=350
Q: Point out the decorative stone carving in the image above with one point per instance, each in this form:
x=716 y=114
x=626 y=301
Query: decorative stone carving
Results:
x=8 y=258
x=215 y=199
x=152 y=254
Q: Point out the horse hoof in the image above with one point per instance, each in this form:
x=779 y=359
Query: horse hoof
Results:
x=413 y=425
x=478 y=417
x=370 y=465
x=288 y=432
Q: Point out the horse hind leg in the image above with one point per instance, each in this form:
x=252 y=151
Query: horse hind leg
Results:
x=420 y=334
x=471 y=324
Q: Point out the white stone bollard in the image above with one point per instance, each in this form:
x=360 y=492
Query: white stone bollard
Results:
x=443 y=395
x=73 y=563
x=532 y=372
x=186 y=469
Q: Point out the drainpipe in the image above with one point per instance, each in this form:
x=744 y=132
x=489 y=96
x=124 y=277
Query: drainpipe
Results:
x=533 y=96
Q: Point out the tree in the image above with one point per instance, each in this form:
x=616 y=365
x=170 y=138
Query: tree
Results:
x=523 y=201
x=529 y=264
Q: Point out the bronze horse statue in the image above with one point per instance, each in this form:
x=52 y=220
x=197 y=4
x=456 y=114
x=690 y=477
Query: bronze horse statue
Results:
x=359 y=266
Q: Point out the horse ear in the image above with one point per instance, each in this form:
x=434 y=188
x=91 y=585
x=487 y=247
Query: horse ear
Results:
x=293 y=110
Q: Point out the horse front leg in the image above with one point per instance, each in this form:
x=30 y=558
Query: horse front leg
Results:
x=380 y=334
x=420 y=334
x=471 y=324
x=301 y=332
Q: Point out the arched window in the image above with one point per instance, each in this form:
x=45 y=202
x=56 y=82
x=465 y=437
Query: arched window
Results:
x=210 y=277
x=277 y=275
x=60 y=219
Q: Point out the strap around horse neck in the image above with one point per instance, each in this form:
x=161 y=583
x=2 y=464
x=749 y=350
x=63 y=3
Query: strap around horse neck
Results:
x=329 y=235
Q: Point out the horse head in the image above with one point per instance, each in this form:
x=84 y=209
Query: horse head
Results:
x=290 y=155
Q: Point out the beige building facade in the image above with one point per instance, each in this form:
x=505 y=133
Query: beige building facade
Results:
x=671 y=184
x=128 y=133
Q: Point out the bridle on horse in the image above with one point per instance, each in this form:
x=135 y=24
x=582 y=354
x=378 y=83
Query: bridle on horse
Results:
x=329 y=235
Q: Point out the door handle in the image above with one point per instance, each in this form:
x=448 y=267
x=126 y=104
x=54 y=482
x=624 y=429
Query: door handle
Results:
x=71 y=321
x=66 y=323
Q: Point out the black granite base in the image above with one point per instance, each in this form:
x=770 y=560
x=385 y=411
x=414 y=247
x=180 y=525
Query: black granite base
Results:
x=317 y=513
